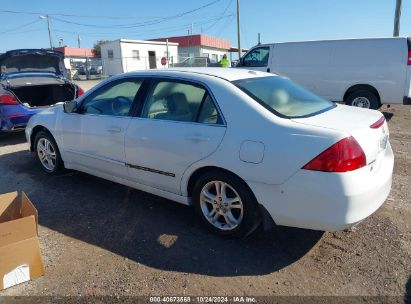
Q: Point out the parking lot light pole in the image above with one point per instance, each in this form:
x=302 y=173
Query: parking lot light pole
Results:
x=48 y=27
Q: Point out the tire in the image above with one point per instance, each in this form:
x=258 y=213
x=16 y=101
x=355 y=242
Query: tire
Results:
x=237 y=221
x=48 y=153
x=363 y=99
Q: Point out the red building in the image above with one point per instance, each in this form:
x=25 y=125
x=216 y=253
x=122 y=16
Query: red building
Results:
x=200 y=46
x=73 y=52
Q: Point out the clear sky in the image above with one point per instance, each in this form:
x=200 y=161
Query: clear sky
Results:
x=276 y=20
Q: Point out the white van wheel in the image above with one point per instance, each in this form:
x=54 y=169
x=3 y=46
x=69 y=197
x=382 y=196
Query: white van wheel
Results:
x=361 y=102
x=363 y=99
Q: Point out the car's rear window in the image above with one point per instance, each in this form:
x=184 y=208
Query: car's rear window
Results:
x=283 y=97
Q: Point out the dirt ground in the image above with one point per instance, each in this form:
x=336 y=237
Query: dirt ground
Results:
x=101 y=238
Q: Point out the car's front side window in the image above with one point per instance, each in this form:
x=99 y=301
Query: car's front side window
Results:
x=257 y=57
x=113 y=99
x=180 y=101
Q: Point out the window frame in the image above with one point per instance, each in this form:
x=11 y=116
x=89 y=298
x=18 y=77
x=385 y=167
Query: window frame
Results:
x=152 y=81
x=252 y=50
x=110 y=54
x=137 y=57
x=97 y=91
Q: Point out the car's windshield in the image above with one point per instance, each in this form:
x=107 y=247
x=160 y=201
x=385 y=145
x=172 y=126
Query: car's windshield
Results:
x=283 y=97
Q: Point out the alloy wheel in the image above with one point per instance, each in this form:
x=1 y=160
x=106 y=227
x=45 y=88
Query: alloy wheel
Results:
x=221 y=205
x=47 y=154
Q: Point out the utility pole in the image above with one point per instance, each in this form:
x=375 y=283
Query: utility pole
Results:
x=48 y=28
x=78 y=40
x=168 y=55
x=191 y=36
x=47 y=17
x=397 y=18
x=189 y=43
x=238 y=29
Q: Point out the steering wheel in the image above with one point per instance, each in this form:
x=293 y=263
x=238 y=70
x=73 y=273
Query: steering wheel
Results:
x=120 y=105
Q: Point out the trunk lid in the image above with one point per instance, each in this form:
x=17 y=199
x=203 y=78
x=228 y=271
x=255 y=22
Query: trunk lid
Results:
x=32 y=61
x=357 y=122
x=34 y=80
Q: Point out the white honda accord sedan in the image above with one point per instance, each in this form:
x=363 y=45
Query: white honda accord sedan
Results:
x=240 y=146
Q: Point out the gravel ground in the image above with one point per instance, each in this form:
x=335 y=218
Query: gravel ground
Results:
x=101 y=238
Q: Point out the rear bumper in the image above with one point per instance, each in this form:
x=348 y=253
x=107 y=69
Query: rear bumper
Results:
x=407 y=100
x=15 y=117
x=328 y=201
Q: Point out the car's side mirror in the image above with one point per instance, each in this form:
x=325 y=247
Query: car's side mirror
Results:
x=70 y=106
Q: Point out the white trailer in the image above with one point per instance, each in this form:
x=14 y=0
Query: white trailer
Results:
x=124 y=55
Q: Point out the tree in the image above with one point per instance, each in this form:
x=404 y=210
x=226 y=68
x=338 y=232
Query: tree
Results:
x=97 y=48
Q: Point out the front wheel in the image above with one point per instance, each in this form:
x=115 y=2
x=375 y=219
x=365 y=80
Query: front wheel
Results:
x=225 y=204
x=48 y=153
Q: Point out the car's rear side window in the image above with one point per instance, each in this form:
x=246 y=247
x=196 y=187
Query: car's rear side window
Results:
x=283 y=97
x=180 y=101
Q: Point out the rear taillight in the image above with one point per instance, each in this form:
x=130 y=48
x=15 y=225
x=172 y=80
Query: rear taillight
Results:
x=409 y=57
x=345 y=155
x=378 y=123
x=80 y=91
x=8 y=99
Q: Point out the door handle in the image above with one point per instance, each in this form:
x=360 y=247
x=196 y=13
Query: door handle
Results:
x=198 y=138
x=114 y=130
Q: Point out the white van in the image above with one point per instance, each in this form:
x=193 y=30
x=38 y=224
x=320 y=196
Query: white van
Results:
x=360 y=72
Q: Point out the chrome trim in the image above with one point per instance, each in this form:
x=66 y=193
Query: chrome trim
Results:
x=117 y=162
x=150 y=170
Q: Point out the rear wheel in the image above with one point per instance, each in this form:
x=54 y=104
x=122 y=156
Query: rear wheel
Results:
x=363 y=99
x=48 y=153
x=225 y=204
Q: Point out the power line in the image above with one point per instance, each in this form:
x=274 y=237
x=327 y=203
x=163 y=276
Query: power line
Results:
x=155 y=30
x=226 y=9
x=23 y=32
x=20 y=27
x=78 y=16
x=129 y=25
x=225 y=26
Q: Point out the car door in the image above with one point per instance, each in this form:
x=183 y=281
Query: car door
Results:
x=177 y=125
x=93 y=136
x=257 y=59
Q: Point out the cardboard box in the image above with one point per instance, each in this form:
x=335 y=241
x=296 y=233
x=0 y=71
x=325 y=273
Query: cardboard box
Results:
x=20 y=258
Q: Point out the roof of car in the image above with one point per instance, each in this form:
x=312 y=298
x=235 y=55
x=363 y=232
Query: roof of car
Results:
x=229 y=74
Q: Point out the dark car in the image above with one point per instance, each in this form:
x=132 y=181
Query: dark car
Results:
x=30 y=80
x=96 y=70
